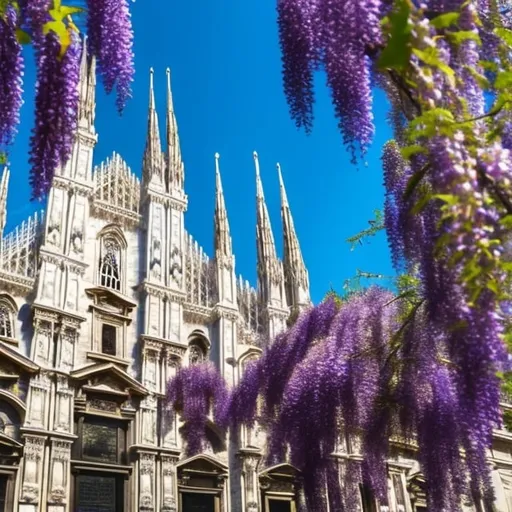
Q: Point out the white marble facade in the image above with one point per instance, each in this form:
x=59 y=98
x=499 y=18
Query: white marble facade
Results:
x=101 y=300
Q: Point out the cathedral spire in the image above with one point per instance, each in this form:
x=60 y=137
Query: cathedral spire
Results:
x=87 y=89
x=271 y=285
x=4 y=184
x=223 y=245
x=153 y=152
x=264 y=235
x=175 y=167
x=295 y=272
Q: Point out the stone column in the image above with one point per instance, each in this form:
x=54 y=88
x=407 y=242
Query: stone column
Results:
x=169 y=491
x=59 y=484
x=147 y=486
x=250 y=482
x=33 y=458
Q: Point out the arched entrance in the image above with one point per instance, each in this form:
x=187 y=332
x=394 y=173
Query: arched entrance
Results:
x=277 y=485
x=201 y=484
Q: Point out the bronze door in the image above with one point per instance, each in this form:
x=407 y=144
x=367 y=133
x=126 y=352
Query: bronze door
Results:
x=98 y=493
x=3 y=492
x=279 y=505
x=197 y=502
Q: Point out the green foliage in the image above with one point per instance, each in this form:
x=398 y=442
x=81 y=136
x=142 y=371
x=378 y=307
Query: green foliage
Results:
x=397 y=53
x=376 y=225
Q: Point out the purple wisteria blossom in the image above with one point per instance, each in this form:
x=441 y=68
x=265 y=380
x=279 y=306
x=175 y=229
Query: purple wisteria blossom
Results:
x=196 y=393
x=11 y=73
x=336 y=35
x=110 y=35
x=56 y=110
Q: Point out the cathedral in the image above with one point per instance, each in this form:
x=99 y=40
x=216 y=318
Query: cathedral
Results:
x=102 y=299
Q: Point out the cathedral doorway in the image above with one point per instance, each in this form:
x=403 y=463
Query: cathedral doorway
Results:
x=4 y=480
x=279 y=505
x=199 y=502
x=98 y=493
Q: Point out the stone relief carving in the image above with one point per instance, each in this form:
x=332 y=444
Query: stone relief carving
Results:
x=60 y=461
x=196 y=355
x=156 y=260
x=252 y=506
x=176 y=266
x=33 y=453
x=77 y=245
x=147 y=469
x=68 y=339
x=43 y=340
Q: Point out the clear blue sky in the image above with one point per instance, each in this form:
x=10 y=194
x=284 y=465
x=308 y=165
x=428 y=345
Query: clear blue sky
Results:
x=226 y=68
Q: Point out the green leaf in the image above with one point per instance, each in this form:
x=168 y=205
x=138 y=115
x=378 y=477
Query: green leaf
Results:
x=421 y=203
x=479 y=78
x=3 y=158
x=431 y=122
x=463 y=35
x=68 y=10
x=445 y=20
x=62 y=11
x=493 y=286
x=503 y=80
x=506 y=221
x=397 y=52
x=414 y=180
x=504 y=34
x=22 y=36
x=431 y=58
x=449 y=199
x=409 y=151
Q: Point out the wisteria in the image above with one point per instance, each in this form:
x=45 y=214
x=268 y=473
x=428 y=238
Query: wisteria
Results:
x=110 y=37
x=425 y=366
x=199 y=394
x=49 y=27
x=11 y=72
x=56 y=110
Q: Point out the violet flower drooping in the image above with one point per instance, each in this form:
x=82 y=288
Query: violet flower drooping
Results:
x=195 y=393
x=110 y=35
x=56 y=110
x=11 y=72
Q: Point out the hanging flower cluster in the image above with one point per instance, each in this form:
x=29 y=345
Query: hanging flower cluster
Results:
x=47 y=25
x=370 y=369
x=198 y=394
x=445 y=66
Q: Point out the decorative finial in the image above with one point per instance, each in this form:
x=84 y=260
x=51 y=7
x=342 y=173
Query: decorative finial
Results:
x=255 y=154
x=217 y=169
x=151 y=70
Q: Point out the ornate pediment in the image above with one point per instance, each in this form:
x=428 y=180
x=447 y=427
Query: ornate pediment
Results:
x=283 y=470
x=103 y=296
x=13 y=363
x=108 y=379
x=203 y=464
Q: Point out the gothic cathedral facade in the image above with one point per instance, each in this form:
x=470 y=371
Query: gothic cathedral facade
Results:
x=101 y=300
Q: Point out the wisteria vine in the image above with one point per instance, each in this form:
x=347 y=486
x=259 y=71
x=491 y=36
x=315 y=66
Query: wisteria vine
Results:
x=48 y=26
x=426 y=364
x=198 y=394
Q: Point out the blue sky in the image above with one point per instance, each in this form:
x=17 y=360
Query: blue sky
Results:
x=226 y=69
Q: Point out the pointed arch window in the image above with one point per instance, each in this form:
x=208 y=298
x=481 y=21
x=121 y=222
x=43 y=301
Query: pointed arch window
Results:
x=110 y=264
x=6 y=320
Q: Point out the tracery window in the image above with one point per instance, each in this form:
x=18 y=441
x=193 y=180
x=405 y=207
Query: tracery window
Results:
x=110 y=271
x=6 y=321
